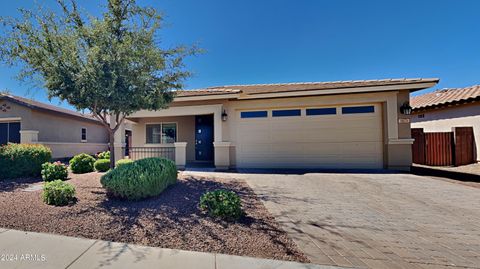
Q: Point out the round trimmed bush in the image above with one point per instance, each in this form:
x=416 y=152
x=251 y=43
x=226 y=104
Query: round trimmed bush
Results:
x=102 y=165
x=103 y=155
x=82 y=163
x=22 y=160
x=140 y=179
x=58 y=193
x=122 y=162
x=222 y=204
x=54 y=171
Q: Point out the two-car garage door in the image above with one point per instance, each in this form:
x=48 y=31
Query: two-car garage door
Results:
x=316 y=137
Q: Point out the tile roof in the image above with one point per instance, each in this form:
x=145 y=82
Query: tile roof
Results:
x=301 y=86
x=445 y=96
x=42 y=106
x=207 y=91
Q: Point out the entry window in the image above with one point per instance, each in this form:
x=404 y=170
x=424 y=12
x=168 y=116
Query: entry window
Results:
x=358 y=109
x=163 y=133
x=169 y=133
x=286 y=113
x=84 y=134
x=321 y=111
x=253 y=114
x=9 y=132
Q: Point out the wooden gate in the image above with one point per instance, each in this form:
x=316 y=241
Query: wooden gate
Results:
x=443 y=148
x=418 y=147
x=464 y=142
x=439 y=149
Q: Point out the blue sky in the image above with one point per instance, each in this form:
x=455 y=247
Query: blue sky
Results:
x=273 y=41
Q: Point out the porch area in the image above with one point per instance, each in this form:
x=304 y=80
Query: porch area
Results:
x=191 y=136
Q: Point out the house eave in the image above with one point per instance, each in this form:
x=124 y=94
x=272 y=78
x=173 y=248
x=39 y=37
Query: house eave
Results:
x=350 y=90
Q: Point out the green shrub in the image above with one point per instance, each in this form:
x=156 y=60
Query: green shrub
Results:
x=122 y=162
x=102 y=165
x=82 y=163
x=222 y=203
x=58 y=192
x=140 y=179
x=54 y=171
x=103 y=155
x=22 y=160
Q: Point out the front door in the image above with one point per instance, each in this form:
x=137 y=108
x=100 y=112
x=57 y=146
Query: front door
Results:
x=204 y=138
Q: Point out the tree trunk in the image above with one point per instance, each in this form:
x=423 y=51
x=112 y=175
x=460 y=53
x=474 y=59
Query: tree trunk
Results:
x=111 y=136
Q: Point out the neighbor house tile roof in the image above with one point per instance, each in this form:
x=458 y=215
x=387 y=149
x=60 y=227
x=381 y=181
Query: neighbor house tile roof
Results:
x=445 y=96
x=253 y=89
x=46 y=107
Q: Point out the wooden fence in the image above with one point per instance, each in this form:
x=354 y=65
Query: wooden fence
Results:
x=443 y=148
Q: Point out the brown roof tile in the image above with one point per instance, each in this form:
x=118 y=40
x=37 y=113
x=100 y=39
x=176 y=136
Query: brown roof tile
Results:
x=208 y=91
x=445 y=96
x=253 y=89
x=42 y=106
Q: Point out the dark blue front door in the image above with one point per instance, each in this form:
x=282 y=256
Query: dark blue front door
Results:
x=204 y=138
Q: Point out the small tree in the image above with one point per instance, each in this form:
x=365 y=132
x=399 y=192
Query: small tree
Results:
x=111 y=65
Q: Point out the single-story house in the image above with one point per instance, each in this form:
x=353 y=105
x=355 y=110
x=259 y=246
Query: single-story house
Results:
x=345 y=124
x=64 y=131
x=443 y=110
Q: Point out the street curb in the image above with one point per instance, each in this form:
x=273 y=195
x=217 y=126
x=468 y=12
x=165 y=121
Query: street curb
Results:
x=431 y=171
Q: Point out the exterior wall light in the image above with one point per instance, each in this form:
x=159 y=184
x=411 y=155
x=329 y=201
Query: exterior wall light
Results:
x=406 y=109
x=224 y=115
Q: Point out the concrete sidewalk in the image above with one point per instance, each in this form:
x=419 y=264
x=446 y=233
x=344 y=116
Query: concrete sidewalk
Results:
x=37 y=250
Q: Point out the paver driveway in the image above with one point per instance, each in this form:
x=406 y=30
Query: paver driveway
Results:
x=376 y=220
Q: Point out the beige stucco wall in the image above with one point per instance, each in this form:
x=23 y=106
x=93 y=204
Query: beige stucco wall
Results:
x=445 y=119
x=58 y=128
x=397 y=151
x=185 y=132
x=59 y=132
x=17 y=111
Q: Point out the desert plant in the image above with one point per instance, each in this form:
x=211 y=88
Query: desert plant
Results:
x=122 y=162
x=102 y=165
x=22 y=160
x=140 y=179
x=53 y=171
x=104 y=155
x=222 y=203
x=58 y=193
x=82 y=163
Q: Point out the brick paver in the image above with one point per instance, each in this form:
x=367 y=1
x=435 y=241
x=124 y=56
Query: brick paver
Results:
x=376 y=220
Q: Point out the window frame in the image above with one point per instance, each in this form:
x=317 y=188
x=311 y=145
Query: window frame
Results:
x=286 y=111
x=321 y=109
x=161 y=129
x=81 y=135
x=252 y=116
x=358 y=107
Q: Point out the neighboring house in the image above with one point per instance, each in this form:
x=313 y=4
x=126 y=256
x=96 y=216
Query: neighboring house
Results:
x=66 y=132
x=346 y=124
x=443 y=110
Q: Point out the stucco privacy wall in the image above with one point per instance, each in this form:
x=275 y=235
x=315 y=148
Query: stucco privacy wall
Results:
x=62 y=134
x=185 y=132
x=397 y=150
x=445 y=119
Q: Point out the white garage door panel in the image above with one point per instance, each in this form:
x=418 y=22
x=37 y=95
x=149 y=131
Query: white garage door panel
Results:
x=326 y=141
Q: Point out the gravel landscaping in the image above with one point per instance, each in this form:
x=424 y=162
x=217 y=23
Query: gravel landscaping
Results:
x=171 y=220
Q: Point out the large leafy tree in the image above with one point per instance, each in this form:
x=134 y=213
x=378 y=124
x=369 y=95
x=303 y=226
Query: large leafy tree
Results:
x=111 y=65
